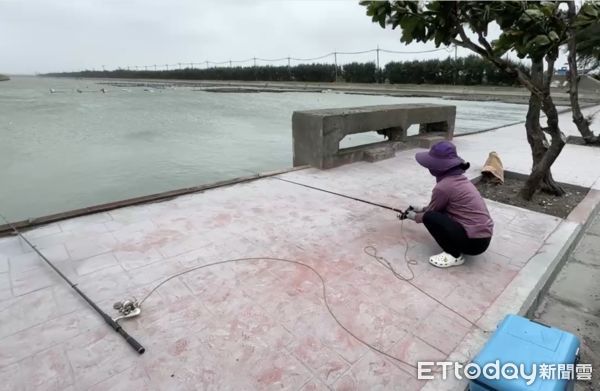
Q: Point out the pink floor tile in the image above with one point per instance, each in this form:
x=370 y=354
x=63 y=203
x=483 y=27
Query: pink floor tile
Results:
x=38 y=277
x=19 y=345
x=134 y=378
x=314 y=385
x=373 y=372
x=278 y=371
x=11 y=378
x=443 y=329
x=319 y=324
x=47 y=370
x=98 y=355
x=95 y=263
x=107 y=283
x=327 y=365
x=28 y=310
x=5 y=287
x=134 y=259
x=411 y=349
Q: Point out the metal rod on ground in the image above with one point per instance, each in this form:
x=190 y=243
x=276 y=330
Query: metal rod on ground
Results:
x=115 y=326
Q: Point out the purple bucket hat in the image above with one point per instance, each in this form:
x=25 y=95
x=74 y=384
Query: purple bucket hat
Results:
x=440 y=157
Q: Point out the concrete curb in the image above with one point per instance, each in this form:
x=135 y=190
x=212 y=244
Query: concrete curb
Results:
x=158 y=197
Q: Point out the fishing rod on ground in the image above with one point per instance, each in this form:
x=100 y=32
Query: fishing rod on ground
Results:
x=113 y=323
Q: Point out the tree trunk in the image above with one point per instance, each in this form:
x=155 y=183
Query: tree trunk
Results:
x=543 y=155
x=583 y=125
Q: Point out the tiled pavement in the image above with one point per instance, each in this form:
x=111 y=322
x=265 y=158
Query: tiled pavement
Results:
x=259 y=324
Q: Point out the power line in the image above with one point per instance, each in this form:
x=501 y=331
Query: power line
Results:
x=271 y=59
x=314 y=58
x=423 y=51
x=364 y=51
x=253 y=60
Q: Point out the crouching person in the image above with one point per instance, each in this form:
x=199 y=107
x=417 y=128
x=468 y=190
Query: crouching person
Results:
x=456 y=216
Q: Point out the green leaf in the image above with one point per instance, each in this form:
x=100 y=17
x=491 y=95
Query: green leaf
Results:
x=409 y=23
x=548 y=9
x=590 y=10
x=534 y=13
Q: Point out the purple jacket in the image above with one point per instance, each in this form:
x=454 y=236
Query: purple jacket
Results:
x=456 y=196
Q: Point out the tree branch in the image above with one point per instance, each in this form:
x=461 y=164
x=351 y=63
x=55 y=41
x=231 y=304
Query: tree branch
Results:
x=483 y=42
x=550 y=60
x=499 y=62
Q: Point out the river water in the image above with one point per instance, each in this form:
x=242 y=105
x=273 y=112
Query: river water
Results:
x=65 y=150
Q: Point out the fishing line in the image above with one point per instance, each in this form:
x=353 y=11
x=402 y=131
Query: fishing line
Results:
x=340 y=195
x=315 y=272
x=369 y=250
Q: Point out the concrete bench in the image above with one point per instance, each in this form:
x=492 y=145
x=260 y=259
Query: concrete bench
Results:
x=317 y=133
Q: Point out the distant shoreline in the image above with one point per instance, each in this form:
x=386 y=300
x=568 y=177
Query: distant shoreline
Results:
x=517 y=95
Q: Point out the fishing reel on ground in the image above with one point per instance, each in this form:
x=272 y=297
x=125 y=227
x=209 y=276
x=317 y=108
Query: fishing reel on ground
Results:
x=127 y=309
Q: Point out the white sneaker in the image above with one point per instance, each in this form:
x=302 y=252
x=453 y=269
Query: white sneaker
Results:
x=444 y=260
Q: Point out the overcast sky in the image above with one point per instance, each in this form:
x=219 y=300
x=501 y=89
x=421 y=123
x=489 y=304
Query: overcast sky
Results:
x=64 y=35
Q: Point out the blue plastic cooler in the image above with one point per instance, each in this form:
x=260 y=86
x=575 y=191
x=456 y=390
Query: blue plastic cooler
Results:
x=521 y=341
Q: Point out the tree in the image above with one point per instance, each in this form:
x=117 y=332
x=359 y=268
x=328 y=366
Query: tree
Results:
x=588 y=46
x=532 y=29
x=584 y=27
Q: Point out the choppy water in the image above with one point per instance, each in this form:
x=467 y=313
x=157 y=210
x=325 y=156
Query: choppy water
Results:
x=68 y=150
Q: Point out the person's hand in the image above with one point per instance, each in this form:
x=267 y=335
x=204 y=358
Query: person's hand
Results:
x=417 y=209
x=408 y=214
x=411 y=214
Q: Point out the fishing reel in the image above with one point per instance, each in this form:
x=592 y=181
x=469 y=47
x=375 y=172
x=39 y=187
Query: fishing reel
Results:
x=127 y=309
x=404 y=215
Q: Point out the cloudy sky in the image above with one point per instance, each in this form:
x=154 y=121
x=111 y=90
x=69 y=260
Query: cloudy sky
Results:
x=64 y=35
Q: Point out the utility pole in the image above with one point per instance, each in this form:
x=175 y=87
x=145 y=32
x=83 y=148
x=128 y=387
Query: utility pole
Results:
x=254 y=62
x=145 y=67
x=167 y=66
x=154 y=67
x=455 y=64
x=206 y=64
x=229 y=63
x=179 y=65
x=377 y=71
x=336 y=68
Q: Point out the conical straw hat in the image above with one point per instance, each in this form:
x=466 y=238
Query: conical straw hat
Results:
x=493 y=166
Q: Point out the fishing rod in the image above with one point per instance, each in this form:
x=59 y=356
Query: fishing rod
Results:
x=113 y=323
x=400 y=211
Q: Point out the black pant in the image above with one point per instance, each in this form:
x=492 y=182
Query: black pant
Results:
x=451 y=236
